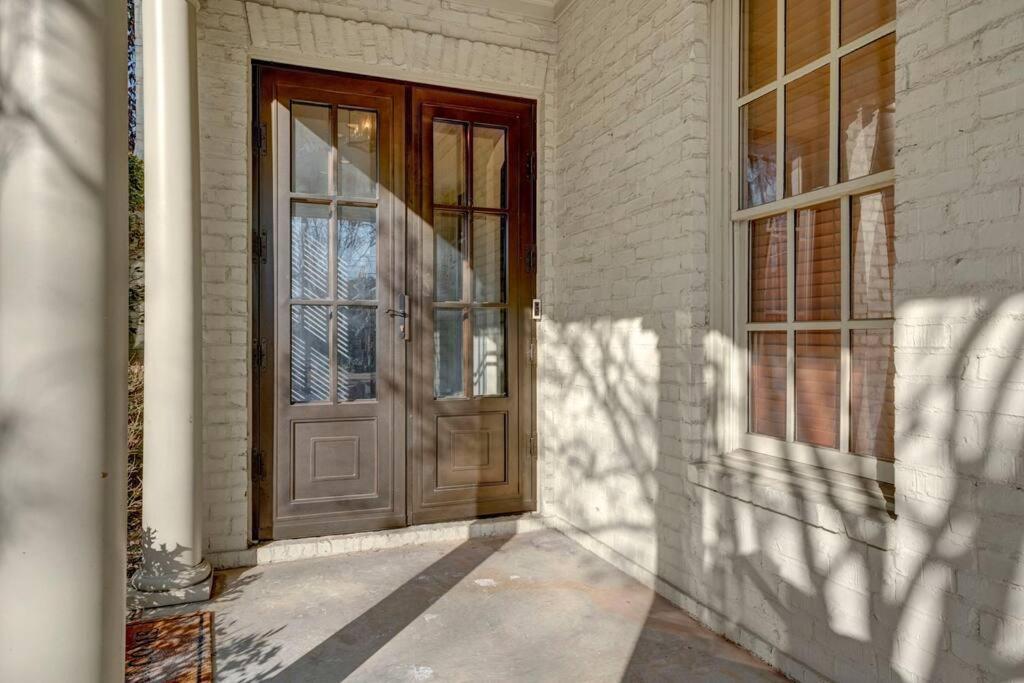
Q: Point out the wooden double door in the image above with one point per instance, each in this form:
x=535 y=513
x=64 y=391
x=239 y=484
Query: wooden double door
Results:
x=394 y=265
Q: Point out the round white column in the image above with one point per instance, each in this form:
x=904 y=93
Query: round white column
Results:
x=63 y=339
x=172 y=555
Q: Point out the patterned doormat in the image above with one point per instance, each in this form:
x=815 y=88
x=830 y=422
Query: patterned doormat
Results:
x=171 y=650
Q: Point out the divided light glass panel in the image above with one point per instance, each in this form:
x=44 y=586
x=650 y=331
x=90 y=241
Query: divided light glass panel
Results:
x=334 y=240
x=470 y=251
x=803 y=336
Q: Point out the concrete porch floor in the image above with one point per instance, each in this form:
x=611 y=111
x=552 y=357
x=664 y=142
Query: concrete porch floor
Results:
x=533 y=607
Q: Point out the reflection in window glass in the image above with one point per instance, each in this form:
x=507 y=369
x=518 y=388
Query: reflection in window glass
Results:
x=357 y=253
x=867 y=106
x=310 y=226
x=449 y=243
x=449 y=163
x=311 y=148
x=310 y=363
x=807 y=132
x=817 y=388
x=448 y=353
x=488 y=352
x=757 y=151
x=872 y=397
x=488 y=258
x=768 y=383
x=872 y=255
x=489 y=167
x=357 y=153
x=356 y=342
x=768 y=270
x=818 y=263
x=808 y=32
x=758 y=21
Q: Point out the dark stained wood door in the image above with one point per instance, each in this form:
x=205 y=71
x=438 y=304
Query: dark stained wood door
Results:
x=472 y=240
x=334 y=272
x=393 y=252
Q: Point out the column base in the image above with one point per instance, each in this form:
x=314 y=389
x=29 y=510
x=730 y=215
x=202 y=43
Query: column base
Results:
x=198 y=592
x=170 y=586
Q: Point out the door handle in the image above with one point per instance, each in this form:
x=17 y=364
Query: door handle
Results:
x=402 y=313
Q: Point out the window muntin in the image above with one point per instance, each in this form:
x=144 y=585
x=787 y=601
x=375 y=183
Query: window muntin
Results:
x=812 y=220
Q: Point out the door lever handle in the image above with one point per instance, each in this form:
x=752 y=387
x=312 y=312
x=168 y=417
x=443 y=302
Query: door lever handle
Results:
x=402 y=312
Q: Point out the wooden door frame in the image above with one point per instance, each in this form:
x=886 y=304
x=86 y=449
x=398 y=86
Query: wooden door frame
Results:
x=261 y=456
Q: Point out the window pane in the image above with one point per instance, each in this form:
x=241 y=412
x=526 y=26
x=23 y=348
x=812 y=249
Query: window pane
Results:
x=818 y=263
x=448 y=352
x=489 y=167
x=449 y=163
x=758 y=32
x=311 y=148
x=768 y=383
x=768 y=270
x=858 y=17
x=872 y=255
x=807 y=132
x=872 y=418
x=356 y=341
x=488 y=258
x=488 y=352
x=757 y=151
x=449 y=241
x=357 y=153
x=817 y=388
x=867 y=103
x=310 y=364
x=357 y=253
x=808 y=32
x=309 y=244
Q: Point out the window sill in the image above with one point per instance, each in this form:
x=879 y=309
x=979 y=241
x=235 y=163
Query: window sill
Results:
x=860 y=508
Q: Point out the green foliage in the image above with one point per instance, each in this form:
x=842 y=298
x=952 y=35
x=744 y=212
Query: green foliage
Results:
x=136 y=177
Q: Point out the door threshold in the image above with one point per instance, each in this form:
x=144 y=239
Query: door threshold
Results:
x=271 y=552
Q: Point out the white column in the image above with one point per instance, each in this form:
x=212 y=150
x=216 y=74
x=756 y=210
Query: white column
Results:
x=63 y=342
x=173 y=567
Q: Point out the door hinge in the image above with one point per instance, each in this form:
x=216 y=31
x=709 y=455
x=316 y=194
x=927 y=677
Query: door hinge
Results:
x=259 y=352
x=531 y=445
x=259 y=138
x=257 y=463
x=531 y=165
x=531 y=352
x=259 y=247
x=531 y=259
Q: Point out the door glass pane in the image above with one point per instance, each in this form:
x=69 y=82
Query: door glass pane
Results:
x=449 y=163
x=489 y=167
x=867 y=105
x=310 y=363
x=872 y=418
x=768 y=383
x=448 y=352
x=357 y=253
x=488 y=258
x=858 y=17
x=807 y=132
x=872 y=255
x=758 y=32
x=311 y=148
x=808 y=31
x=818 y=263
x=768 y=270
x=309 y=245
x=356 y=341
x=357 y=153
x=488 y=352
x=817 y=388
x=449 y=241
x=757 y=151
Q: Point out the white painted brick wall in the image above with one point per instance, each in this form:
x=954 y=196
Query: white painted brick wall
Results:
x=419 y=40
x=937 y=594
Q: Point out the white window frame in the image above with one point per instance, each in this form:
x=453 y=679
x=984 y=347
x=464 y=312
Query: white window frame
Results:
x=729 y=247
